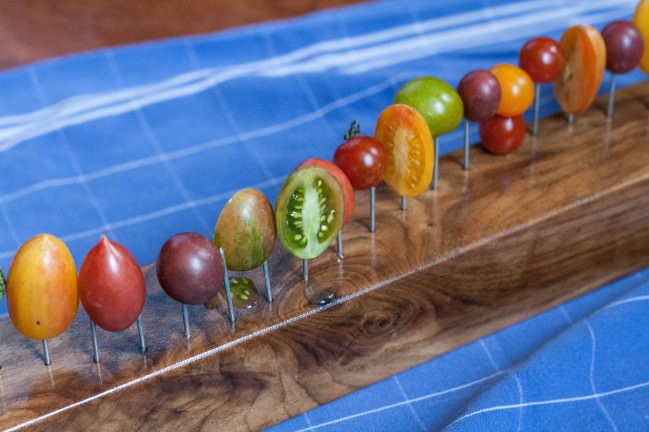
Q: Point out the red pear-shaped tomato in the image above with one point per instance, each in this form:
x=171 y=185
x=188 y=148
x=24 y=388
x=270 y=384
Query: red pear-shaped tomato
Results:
x=42 y=288
x=111 y=286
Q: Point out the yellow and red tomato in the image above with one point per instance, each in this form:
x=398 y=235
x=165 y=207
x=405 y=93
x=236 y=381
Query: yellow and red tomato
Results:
x=409 y=149
x=42 y=295
x=111 y=286
x=517 y=90
x=585 y=53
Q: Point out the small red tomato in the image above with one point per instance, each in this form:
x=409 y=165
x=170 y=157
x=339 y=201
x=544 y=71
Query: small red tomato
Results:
x=542 y=59
x=502 y=135
x=345 y=184
x=111 y=286
x=363 y=159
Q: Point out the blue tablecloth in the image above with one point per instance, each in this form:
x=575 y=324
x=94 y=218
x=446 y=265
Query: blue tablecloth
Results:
x=142 y=142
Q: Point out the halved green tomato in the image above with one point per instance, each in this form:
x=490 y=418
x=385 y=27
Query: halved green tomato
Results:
x=409 y=147
x=309 y=211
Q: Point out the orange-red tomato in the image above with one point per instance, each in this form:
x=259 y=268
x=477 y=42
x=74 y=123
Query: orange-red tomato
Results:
x=409 y=149
x=517 y=90
x=641 y=19
x=111 y=286
x=585 y=53
x=42 y=292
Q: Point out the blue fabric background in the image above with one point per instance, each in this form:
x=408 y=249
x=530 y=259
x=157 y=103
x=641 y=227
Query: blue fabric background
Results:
x=145 y=141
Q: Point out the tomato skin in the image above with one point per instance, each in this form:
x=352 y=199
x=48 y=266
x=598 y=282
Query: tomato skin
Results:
x=189 y=268
x=624 y=46
x=409 y=149
x=246 y=230
x=111 y=286
x=517 y=90
x=502 y=135
x=480 y=93
x=42 y=295
x=437 y=102
x=363 y=160
x=542 y=59
x=345 y=183
x=641 y=20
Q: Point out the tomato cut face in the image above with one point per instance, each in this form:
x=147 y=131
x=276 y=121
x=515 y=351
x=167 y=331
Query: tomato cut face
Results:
x=309 y=211
x=409 y=147
x=585 y=52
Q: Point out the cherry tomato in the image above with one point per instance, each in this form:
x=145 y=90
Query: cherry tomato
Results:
x=363 y=160
x=542 y=59
x=344 y=181
x=309 y=211
x=409 y=148
x=641 y=20
x=111 y=286
x=624 y=46
x=42 y=295
x=517 y=90
x=246 y=230
x=189 y=268
x=480 y=93
x=502 y=135
x=585 y=53
x=435 y=100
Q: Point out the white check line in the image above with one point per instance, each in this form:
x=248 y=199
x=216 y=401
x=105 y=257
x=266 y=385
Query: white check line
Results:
x=591 y=375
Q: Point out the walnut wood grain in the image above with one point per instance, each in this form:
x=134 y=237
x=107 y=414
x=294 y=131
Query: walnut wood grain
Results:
x=36 y=29
x=513 y=237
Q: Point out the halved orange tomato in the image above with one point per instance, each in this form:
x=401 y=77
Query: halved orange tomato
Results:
x=409 y=147
x=585 y=53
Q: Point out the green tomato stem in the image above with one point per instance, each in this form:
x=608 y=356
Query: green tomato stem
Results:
x=353 y=131
x=3 y=284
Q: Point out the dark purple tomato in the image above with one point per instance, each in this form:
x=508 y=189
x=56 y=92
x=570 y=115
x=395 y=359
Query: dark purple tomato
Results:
x=363 y=160
x=480 y=93
x=189 y=268
x=542 y=59
x=111 y=286
x=624 y=46
x=502 y=135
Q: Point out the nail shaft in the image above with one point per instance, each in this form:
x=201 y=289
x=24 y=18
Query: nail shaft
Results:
x=188 y=334
x=403 y=203
x=95 y=344
x=611 y=96
x=571 y=119
x=228 y=292
x=305 y=267
x=537 y=109
x=372 y=209
x=140 y=332
x=436 y=168
x=339 y=241
x=466 y=144
x=269 y=291
x=46 y=352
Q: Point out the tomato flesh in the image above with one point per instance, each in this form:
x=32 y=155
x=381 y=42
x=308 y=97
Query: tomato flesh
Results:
x=309 y=211
x=409 y=149
x=345 y=183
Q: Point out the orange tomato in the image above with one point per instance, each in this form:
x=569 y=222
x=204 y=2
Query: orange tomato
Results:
x=409 y=147
x=42 y=292
x=585 y=53
x=641 y=19
x=517 y=90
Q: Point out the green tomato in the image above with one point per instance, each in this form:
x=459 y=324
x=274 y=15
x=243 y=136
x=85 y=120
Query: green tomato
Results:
x=436 y=101
x=246 y=230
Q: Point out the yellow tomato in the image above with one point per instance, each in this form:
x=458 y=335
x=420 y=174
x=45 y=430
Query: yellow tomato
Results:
x=641 y=19
x=517 y=90
x=42 y=292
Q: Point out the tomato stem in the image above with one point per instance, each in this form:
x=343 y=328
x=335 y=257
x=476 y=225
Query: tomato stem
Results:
x=3 y=284
x=353 y=131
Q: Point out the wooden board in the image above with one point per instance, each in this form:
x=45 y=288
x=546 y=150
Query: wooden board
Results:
x=514 y=236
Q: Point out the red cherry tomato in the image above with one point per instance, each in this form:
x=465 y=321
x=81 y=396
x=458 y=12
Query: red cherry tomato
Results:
x=363 y=160
x=502 y=135
x=111 y=286
x=542 y=59
x=345 y=184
